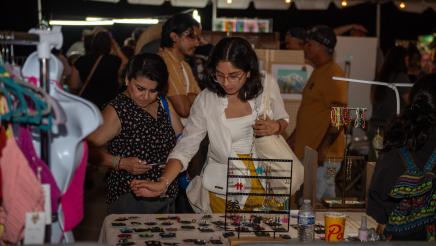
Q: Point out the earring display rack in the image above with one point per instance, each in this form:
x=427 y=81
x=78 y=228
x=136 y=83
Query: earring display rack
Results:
x=342 y=116
x=258 y=196
x=352 y=178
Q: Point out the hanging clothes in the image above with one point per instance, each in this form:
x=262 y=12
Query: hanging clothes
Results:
x=72 y=200
x=22 y=192
x=24 y=141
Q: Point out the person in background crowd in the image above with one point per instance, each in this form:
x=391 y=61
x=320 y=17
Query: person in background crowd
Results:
x=81 y=47
x=414 y=69
x=294 y=38
x=149 y=41
x=353 y=30
x=383 y=100
x=100 y=68
x=320 y=94
x=139 y=128
x=227 y=110
x=128 y=47
x=180 y=37
x=402 y=193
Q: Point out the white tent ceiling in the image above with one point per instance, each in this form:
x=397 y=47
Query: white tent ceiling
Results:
x=411 y=5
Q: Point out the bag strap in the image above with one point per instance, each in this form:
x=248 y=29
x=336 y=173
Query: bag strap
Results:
x=88 y=79
x=265 y=97
x=407 y=159
x=164 y=103
x=430 y=162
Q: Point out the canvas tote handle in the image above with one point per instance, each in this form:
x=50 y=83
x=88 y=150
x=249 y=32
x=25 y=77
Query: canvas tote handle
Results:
x=265 y=99
x=90 y=75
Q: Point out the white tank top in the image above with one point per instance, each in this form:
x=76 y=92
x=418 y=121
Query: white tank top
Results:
x=241 y=130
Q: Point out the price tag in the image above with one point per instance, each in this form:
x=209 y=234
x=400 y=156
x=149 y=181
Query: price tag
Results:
x=34 y=229
x=47 y=203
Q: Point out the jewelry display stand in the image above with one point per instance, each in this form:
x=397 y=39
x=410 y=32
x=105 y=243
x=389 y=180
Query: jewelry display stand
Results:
x=267 y=187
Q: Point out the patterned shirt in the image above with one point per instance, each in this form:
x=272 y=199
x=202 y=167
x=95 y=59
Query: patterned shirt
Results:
x=141 y=136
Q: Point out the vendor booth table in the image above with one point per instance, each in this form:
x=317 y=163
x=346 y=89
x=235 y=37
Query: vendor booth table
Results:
x=115 y=224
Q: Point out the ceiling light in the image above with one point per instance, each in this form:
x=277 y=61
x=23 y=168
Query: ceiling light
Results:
x=287 y=1
x=80 y=23
x=229 y=1
x=344 y=3
x=402 y=5
x=136 y=21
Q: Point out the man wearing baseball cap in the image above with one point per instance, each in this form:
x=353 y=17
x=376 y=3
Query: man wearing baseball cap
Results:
x=320 y=94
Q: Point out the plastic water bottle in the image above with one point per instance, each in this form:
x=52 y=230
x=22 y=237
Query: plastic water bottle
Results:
x=306 y=222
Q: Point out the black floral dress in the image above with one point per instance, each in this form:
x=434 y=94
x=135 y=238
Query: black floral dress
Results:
x=141 y=136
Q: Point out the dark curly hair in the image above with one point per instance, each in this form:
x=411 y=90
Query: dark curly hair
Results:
x=418 y=121
x=178 y=24
x=240 y=54
x=151 y=66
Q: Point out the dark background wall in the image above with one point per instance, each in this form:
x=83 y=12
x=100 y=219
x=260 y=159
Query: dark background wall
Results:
x=21 y=15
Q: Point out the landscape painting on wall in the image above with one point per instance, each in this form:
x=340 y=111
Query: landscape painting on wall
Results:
x=291 y=78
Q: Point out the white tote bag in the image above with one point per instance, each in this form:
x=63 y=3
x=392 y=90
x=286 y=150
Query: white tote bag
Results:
x=275 y=147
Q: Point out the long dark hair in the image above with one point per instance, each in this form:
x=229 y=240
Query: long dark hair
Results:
x=239 y=53
x=418 y=121
x=151 y=66
x=394 y=64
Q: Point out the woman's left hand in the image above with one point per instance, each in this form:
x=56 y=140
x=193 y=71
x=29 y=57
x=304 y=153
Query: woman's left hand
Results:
x=144 y=188
x=266 y=127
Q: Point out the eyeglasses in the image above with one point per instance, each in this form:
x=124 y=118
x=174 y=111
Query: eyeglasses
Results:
x=231 y=78
x=191 y=35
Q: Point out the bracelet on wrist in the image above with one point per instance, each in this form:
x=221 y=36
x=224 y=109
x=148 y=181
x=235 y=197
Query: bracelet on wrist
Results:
x=116 y=162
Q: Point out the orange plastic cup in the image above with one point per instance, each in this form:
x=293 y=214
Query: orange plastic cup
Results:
x=334 y=226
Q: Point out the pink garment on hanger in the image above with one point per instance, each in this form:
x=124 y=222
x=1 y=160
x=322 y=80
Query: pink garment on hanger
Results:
x=72 y=200
x=24 y=141
x=22 y=191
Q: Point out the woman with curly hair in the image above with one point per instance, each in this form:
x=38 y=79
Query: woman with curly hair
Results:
x=402 y=195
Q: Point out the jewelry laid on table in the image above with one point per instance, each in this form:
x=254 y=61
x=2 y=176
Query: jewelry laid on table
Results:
x=126 y=230
x=141 y=229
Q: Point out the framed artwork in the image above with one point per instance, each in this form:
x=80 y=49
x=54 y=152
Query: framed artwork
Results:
x=291 y=78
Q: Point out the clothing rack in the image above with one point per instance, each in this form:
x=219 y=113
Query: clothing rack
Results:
x=45 y=40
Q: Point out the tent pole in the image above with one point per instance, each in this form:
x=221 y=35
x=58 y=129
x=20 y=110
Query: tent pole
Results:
x=214 y=9
x=378 y=16
x=39 y=13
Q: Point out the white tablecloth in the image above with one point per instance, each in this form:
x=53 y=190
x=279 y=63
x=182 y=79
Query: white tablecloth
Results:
x=109 y=234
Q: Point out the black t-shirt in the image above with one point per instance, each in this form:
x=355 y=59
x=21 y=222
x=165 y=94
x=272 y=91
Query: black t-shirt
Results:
x=103 y=85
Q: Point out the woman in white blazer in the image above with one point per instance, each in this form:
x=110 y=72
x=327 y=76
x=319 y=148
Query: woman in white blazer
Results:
x=228 y=110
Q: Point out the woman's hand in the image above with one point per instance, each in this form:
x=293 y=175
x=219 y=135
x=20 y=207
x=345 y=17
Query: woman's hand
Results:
x=134 y=165
x=144 y=188
x=266 y=127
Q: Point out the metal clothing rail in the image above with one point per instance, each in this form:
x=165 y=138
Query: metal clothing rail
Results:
x=393 y=86
x=18 y=38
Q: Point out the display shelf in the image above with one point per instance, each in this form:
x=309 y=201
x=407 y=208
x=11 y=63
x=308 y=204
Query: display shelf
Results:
x=254 y=179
